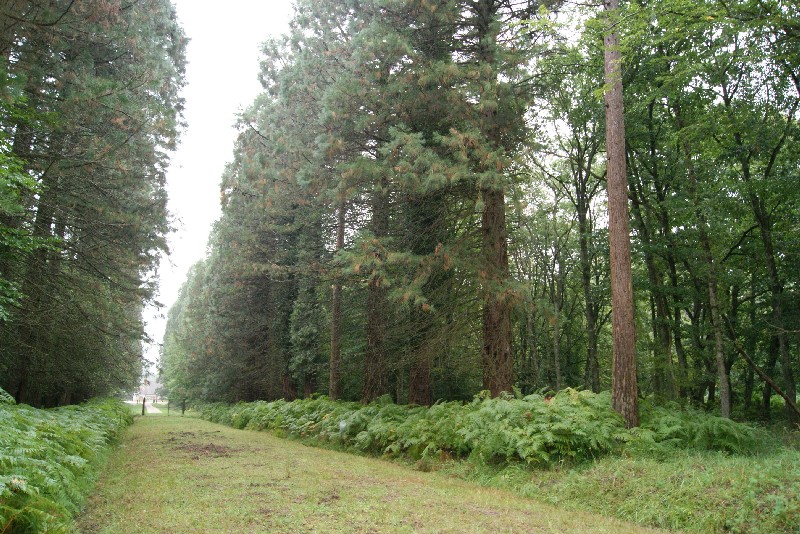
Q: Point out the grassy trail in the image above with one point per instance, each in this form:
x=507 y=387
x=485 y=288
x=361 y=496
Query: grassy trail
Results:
x=185 y=475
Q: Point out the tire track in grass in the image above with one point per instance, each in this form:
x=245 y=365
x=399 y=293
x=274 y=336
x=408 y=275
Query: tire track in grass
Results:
x=186 y=475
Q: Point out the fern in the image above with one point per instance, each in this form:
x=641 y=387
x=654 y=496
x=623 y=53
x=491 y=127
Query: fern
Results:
x=568 y=428
x=675 y=427
x=6 y=398
x=45 y=458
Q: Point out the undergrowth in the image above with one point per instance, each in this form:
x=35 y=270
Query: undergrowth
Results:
x=571 y=427
x=682 y=468
x=48 y=458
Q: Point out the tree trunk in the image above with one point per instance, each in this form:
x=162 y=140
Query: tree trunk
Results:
x=419 y=384
x=776 y=291
x=498 y=364
x=335 y=363
x=766 y=396
x=624 y=381
x=711 y=280
x=719 y=353
x=497 y=356
x=677 y=334
x=309 y=385
x=376 y=380
x=750 y=345
x=592 y=373
x=557 y=295
x=289 y=389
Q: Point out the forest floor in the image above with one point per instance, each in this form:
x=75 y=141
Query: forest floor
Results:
x=172 y=474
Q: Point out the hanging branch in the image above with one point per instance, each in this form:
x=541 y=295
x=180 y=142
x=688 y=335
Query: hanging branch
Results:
x=757 y=369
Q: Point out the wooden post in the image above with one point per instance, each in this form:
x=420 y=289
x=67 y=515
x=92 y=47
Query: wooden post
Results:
x=144 y=399
x=168 y=401
x=183 y=407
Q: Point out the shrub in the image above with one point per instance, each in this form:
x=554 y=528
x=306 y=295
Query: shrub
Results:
x=572 y=426
x=568 y=428
x=675 y=427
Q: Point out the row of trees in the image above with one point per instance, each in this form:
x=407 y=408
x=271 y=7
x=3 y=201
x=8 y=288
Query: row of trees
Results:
x=89 y=109
x=416 y=207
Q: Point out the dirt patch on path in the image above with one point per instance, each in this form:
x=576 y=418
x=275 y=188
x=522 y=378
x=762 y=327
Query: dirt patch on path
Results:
x=193 y=444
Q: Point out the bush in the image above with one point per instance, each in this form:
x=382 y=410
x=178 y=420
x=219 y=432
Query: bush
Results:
x=569 y=428
x=672 y=427
x=573 y=426
x=47 y=458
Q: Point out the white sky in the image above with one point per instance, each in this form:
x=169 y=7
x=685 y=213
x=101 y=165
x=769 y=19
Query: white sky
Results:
x=223 y=60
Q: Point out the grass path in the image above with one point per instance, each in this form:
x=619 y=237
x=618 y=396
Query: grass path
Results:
x=185 y=475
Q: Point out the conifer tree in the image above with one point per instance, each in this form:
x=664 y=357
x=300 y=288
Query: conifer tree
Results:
x=101 y=87
x=624 y=382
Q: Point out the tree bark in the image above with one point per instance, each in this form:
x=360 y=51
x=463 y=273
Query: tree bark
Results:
x=624 y=381
x=335 y=362
x=376 y=380
x=497 y=357
x=498 y=364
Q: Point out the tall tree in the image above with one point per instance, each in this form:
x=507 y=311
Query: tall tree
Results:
x=625 y=398
x=101 y=85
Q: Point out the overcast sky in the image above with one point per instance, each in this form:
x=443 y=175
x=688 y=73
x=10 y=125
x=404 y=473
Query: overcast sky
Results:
x=223 y=59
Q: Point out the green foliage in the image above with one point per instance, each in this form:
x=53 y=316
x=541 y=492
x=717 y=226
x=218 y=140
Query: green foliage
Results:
x=47 y=458
x=6 y=398
x=569 y=428
x=572 y=426
x=681 y=469
x=14 y=186
x=83 y=216
x=687 y=491
x=670 y=427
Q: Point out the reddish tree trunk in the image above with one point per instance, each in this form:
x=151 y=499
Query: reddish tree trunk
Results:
x=624 y=382
x=498 y=363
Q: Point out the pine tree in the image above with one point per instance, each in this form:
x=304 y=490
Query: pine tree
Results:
x=625 y=391
x=101 y=83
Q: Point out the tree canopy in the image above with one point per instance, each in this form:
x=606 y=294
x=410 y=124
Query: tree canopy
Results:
x=90 y=112
x=417 y=204
x=417 y=207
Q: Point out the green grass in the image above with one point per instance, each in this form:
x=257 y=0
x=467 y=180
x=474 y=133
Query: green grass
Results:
x=694 y=492
x=681 y=469
x=182 y=474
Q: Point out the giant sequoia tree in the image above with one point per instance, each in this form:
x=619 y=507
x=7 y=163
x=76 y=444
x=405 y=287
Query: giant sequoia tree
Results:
x=97 y=83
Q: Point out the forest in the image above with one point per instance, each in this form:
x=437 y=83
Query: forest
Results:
x=420 y=207
x=89 y=112
x=545 y=247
